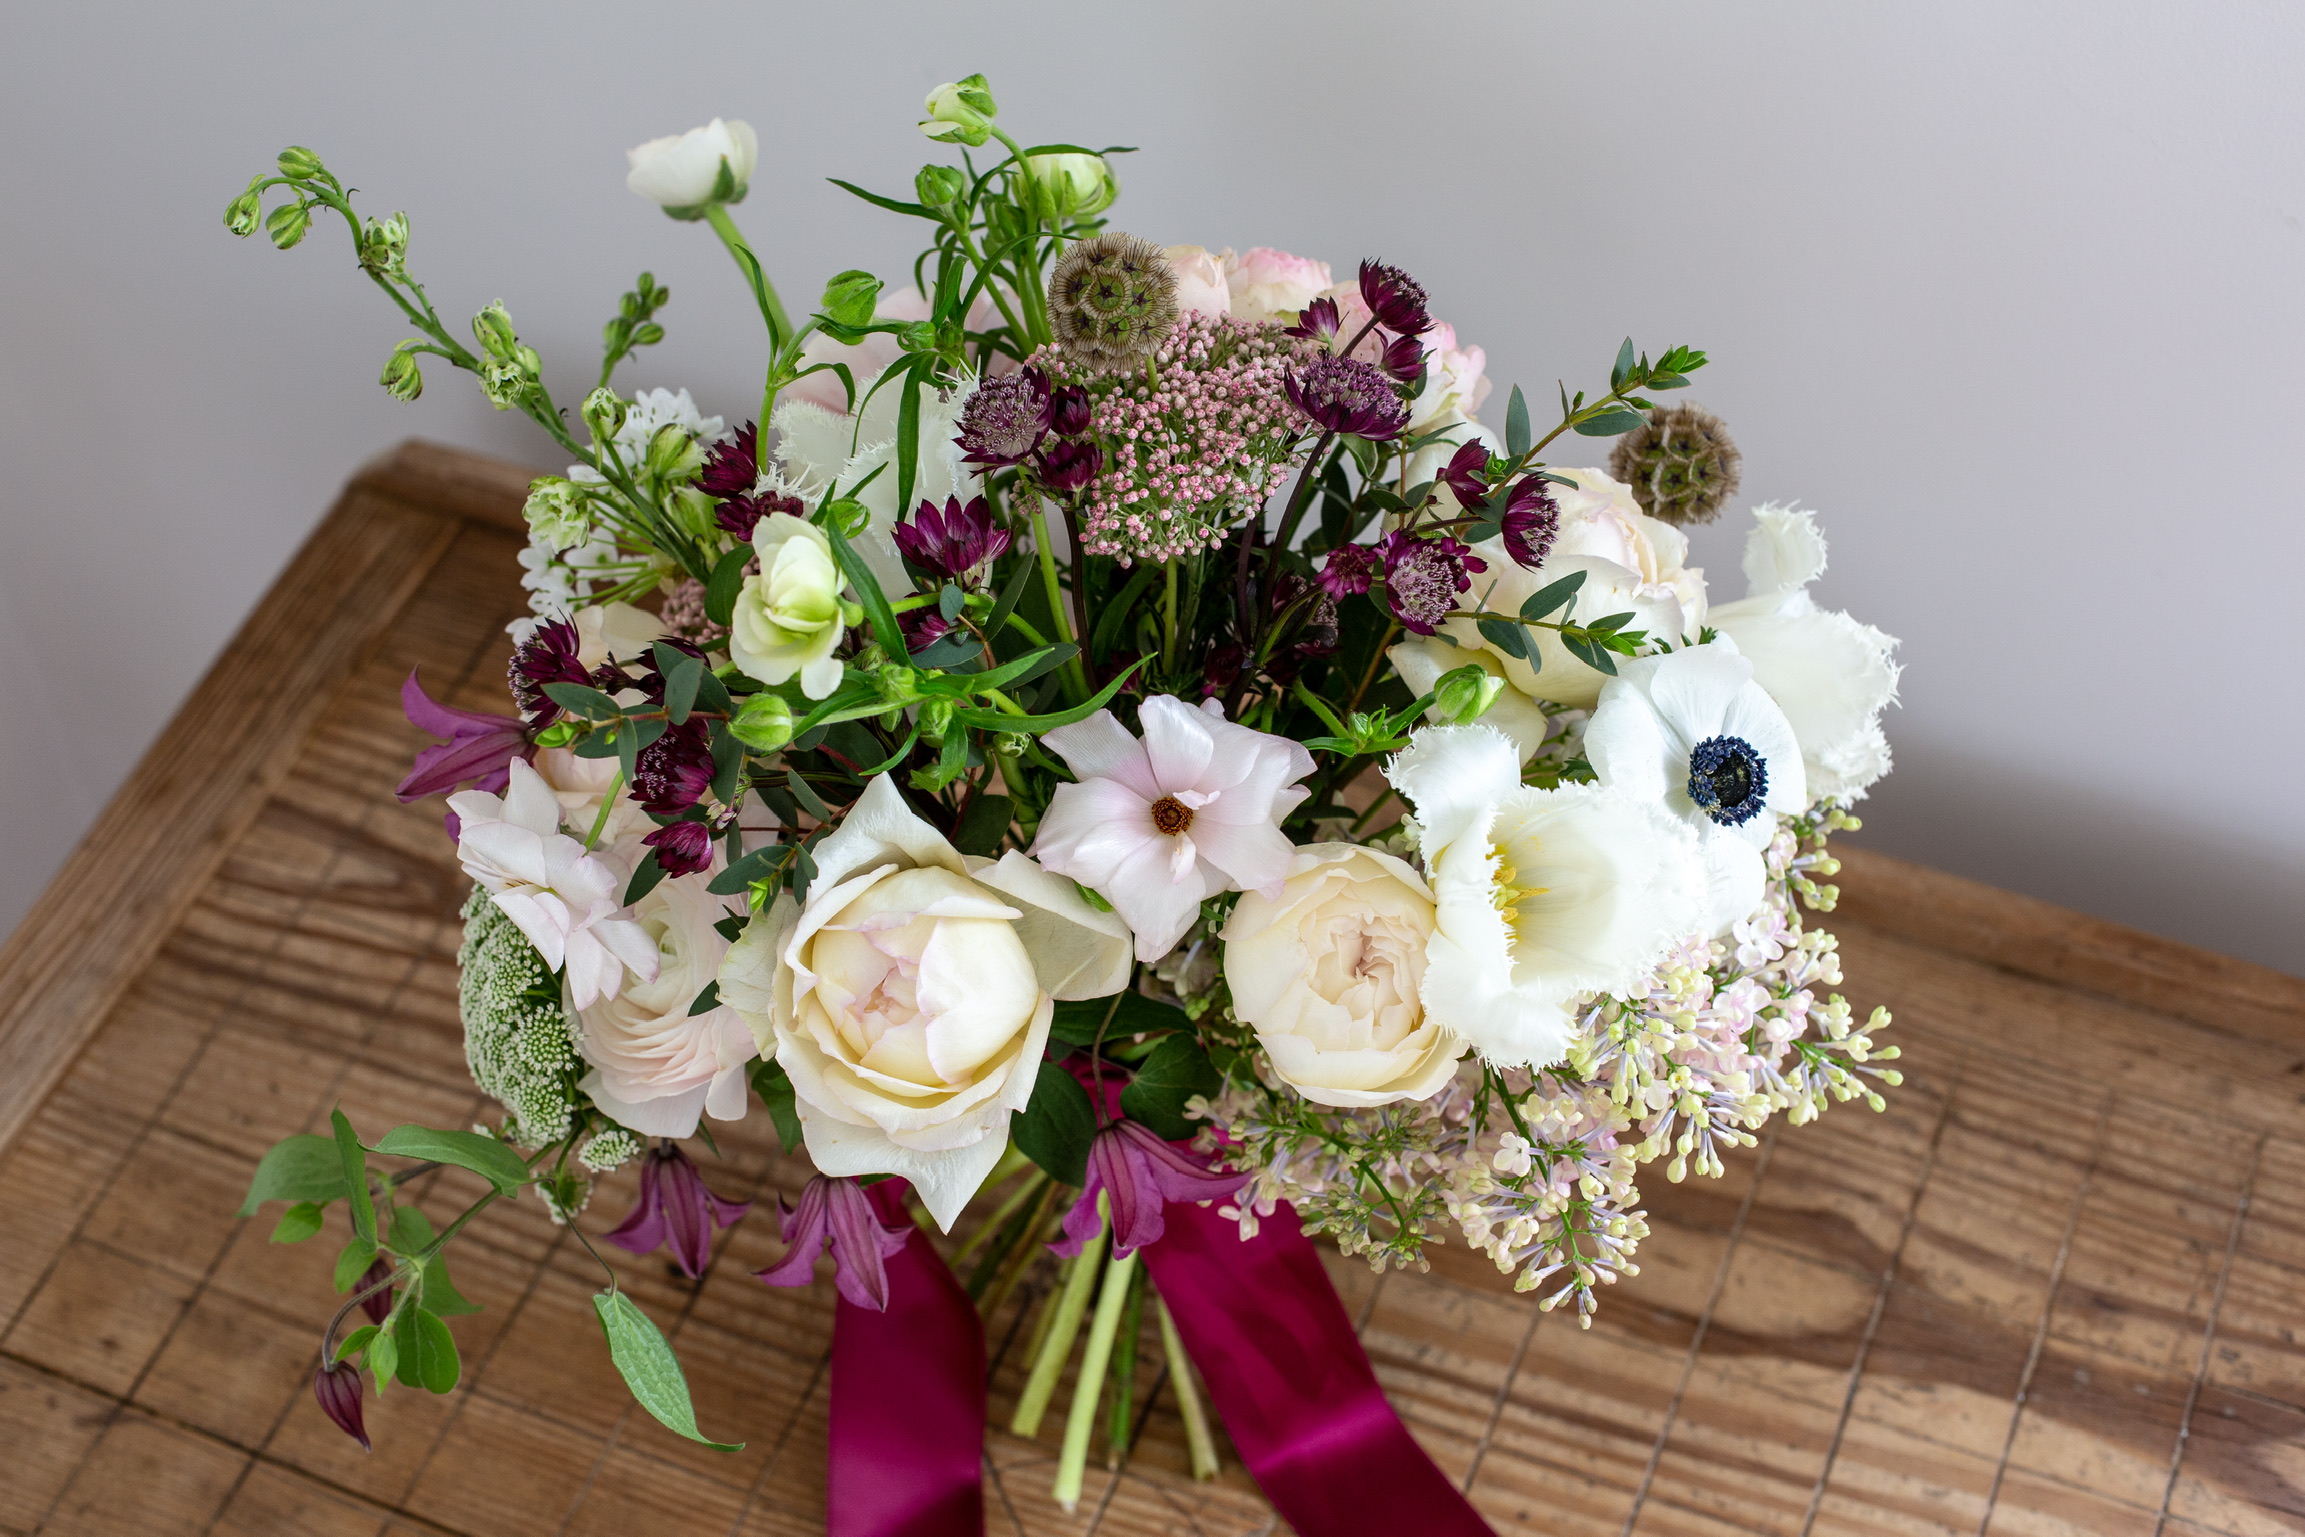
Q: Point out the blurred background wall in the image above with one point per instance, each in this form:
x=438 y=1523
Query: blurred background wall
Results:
x=2010 y=293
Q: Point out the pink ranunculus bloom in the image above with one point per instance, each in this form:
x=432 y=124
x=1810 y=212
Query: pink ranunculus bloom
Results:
x=1156 y=826
x=1266 y=284
x=1200 y=276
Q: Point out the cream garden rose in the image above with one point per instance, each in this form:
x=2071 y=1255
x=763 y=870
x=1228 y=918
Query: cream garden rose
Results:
x=1330 y=976
x=788 y=614
x=909 y=999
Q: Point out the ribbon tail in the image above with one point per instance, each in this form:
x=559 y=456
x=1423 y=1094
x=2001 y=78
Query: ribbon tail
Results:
x=906 y=1441
x=1296 y=1391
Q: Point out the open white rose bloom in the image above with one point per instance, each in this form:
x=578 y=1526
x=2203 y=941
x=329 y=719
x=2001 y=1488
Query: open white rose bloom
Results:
x=1129 y=731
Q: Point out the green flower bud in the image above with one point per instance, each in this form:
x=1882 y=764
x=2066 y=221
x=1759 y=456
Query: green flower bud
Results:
x=762 y=723
x=298 y=161
x=935 y=719
x=559 y=734
x=402 y=379
x=1465 y=694
x=939 y=186
x=244 y=213
x=557 y=512
x=1077 y=186
x=898 y=685
x=960 y=112
x=850 y=516
x=384 y=244
x=492 y=328
x=288 y=224
x=849 y=299
x=603 y=412
x=673 y=454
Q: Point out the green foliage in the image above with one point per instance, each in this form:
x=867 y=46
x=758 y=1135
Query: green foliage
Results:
x=1177 y=1070
x=300 y=1169
x=1119 y=1017
x=650 y=1369
x=1056 y=1126
x=774 y=1086
x=484 y=1156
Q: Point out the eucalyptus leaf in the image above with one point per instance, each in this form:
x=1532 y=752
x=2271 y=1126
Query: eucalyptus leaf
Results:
x=1553 y=595
x=1518 y=437
x=645 y=877
x=727 y=580
x=984 y=825
x=577 y=699
x=1506 y=636
x=1610 y=423
x=650 y=1368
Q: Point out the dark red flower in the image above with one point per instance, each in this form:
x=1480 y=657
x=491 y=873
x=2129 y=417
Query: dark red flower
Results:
x=1222 y=668
x=682 y=848
x=954 y=542
x=923 y=628
x=1347 y=395
x=549 y=655
x=1395 y=298
x=1317 y=321
x=376 y=1304
x=1070 y=411
x=1403 y=359
x=479 y=750
x=1005 y=419
x=676 y=1211
x=838 y=1212
x=339 y=1391
x=1348 y=570
x=1424 y=576
x=1139 y=1175
x=731 y=465
x=1066 y=467
x=672 y=773
x=741 y=514
x=1464 y=474
x=1532 y=522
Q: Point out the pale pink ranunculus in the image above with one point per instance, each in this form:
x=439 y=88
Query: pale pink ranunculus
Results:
x=1158 y=825
x=1266 y=284
x=656 y=1065
x=1456 y=381
x=1200 y=276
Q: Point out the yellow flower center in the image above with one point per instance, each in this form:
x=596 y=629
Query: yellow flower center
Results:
x=1506 y=893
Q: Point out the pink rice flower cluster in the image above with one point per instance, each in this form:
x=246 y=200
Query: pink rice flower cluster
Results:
x=1193 y=447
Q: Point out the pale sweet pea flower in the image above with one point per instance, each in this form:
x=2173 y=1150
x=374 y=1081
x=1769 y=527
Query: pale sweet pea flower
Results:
x=1159 y=825
x=655 y=1066
x=1330 y=975
x=910 y=997
x=1265 y=284
x=1692 y=733
x=683 y=170
x=788 y=618
x=1200 y=279
x=1541 y=896
x=1832 y=675
x=562 y=898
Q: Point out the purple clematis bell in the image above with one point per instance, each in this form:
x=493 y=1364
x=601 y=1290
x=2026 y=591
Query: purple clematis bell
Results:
x=1140 y=1174
x=837 y=1211
x=479 y=750
x=338 y=1388
x=676 y=1211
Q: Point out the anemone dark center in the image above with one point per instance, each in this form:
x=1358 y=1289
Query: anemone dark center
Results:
x=1171 y=816
x=1728 y=780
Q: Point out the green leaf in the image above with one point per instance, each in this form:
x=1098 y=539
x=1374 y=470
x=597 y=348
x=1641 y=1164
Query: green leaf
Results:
x=438 y=1293
x=645 y=876
x=1506 y=636
x=860 y=577
x=352 y=1261
x=891 y=204
x=1176 y=1071
x=949 y=601
x=682 y=674
x=650 y=1368
x=984 y=825
x=1609 y=423
x=355 y=1342
x=1553 y=595
x=1518 y=437
x=577 y=699
x=1056 y=1128
x=383 y=1358
x=805 y=794
x=1117 y=610
x=427 y=1351
x=1009 y=594
x=354 y=1165
x=994 y=720
x=300 y=1221
x=302 y=1168
x=1025 y=668
x=908 y=438
x=1624 y=364
x=727 y=579
x=755 y=866
x=707 y=1000
x=1077 y=1022
x=774 y=1086
x=484 y=1156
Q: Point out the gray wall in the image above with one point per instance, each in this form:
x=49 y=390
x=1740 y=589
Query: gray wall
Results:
x=2010 y=293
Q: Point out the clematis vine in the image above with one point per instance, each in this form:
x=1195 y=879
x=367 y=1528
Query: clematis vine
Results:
x=677 y=1211
x=1139 y=1173
x=837 y=1212
x=479 y=750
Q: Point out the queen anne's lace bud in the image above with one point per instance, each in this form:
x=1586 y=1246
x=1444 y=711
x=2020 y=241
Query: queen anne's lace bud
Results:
x=517 y=1039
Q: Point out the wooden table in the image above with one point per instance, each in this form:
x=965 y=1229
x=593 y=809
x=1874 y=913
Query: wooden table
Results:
x=2056 y=1288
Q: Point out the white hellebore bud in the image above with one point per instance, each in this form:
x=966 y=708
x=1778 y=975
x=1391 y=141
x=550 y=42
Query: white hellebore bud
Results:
x=910 y=998
x=788 y=617
x=685 y=172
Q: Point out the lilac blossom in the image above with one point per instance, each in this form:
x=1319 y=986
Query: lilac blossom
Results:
x=1138 y=1174
x=676 y=1211
x=837 y=1211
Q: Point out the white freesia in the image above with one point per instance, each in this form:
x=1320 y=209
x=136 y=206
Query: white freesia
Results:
x=1540 y=896
x=682 y=170
x=1832 y=675
x=1330 y=976
x=655 y=1066
x=1157 y=826
x=788 y=616
x=562 y=898
x=1669 y=728
x=909 y=999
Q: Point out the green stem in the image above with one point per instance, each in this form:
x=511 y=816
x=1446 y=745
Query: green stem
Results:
x=1096 y=1355
x=1169 y=617
x=1302 y=495
x=1048 y=1365
x=1199 y=1444
x=1123 y=1418
x=1073 y=672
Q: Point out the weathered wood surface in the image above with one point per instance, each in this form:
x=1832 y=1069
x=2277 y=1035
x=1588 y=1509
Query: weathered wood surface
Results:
x=2056 y=1288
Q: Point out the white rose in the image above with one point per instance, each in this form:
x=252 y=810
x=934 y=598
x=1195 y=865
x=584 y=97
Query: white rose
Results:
x=788 y=618
x=1200 y=279
x=683 y=170
x=1832 y=675
x=909 y=999
x=655 y=1066
x=1329 y=975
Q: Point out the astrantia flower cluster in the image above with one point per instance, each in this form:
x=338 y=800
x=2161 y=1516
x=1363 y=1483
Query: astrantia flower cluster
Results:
x=1113 y=732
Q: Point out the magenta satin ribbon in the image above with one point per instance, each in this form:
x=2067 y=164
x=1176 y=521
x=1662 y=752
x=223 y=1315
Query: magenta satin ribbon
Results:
x=1292 y=1384
x=905 y=1449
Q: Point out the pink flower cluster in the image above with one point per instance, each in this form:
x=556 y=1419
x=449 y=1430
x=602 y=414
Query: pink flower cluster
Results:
x=1194 y=446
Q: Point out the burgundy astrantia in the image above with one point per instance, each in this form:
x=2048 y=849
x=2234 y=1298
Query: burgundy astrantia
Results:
x=731 y=465
x=549 y=655
x=923 y=628
x=1423 y=577
x=672 y=773
x=1463 y=474
x=741 y=514
x=1347 y=395
x=1222 y=668
x=953 y=542
x=1532 y=522
x=1395 y=298
x=1066 y=467
x=1005 y=419
x=338 y=1388
x=1348 y=570
x=1403 y=359
x=682 y=848
x=838 y=1212
x=1318 y=321
x=1139 y=1174
x=1070 y=411
x=676 y=1211
x=479 y=750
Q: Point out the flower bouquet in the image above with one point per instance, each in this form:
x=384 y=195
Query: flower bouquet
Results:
x=1118 y=740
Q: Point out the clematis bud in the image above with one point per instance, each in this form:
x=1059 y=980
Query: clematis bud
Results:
x=1465 y=694
x=339 y=1391
x=402 y=379
x=297 y=161
x=763 y=723
x=245 y=212
x=837 y=1212
x=376 y=1304
x=960 y=112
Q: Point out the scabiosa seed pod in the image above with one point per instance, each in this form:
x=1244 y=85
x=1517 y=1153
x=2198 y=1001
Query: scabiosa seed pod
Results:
x=1532 y=522
x=1424 y=576
x=1681 y=465
x=1070 y=411
x=1111 y=301
x=683 y=848
x=1395 y=298
x=1347 y=395
x=1067 y=467
x=1004 y=418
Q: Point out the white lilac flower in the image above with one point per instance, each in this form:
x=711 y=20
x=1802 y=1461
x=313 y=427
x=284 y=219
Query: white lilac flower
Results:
x=1541 y=896
x=1159 y=825
x=1692 y=732
x=562 y=898
x=1831 y=675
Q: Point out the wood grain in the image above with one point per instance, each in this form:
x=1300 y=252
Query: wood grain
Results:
x=2056 y=1288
